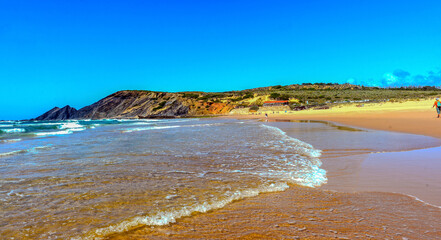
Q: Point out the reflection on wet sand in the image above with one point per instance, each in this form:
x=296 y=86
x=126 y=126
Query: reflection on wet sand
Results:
x=327 y=123
x=305 y=213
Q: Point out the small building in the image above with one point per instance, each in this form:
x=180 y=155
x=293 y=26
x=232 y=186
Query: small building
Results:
x=275 y=103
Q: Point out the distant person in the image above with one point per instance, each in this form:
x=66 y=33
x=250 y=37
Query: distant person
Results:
x=266 y=117
x=437 y=104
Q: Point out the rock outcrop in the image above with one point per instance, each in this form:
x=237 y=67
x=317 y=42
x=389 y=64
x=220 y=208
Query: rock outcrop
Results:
x=134 y=104
x=57 y=113
x=125 y=104
x=131 y=104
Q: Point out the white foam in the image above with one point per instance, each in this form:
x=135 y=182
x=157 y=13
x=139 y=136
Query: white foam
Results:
x=11 y=140
x=12 y=153
x=30 y=150
x=44 y=134
x=147 y=128
x=40 y=124
x=419 y=200
x=167 y=127
x=134 y=120
x=73 y=126
x=13 y=130
x=166 y=217
x=170 y=197
x=309 y=174
x=8 y=121
x=315 y=177
x=300 y=146
x=12 y=193
x=206 y=125
x=141 y=123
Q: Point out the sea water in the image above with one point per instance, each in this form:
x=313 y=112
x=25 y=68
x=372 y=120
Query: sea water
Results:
x=89 y=179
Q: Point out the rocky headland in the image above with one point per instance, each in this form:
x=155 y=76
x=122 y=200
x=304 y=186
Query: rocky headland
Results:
x=151 y=104
x=140 y=104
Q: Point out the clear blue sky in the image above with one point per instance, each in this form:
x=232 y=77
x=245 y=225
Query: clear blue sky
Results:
x=54 y=53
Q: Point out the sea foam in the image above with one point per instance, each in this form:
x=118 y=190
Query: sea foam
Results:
x=44 y=134
x=168 y=127
x=11 y=140
x=166 y=217
x=73 y=126
x=13 y=130
x=30 y=150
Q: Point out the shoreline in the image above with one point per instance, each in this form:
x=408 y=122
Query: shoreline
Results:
x=311 y=213
x=359 y=160
x=306 y=213
x=409 y=172
x=415 y=117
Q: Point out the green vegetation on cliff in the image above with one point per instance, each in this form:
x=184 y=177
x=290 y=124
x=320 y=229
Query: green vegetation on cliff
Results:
x=140 y=103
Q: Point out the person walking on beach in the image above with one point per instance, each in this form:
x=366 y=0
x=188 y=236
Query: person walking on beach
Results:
x=266 y=117
x=437 y=104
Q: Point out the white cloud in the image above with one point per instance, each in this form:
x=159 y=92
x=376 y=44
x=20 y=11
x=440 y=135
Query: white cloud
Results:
x=400 y=78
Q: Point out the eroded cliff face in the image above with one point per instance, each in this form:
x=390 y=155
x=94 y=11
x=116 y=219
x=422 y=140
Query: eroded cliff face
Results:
x=57 y=113
x=134 y=104
x=209 y=108
x=131 y=104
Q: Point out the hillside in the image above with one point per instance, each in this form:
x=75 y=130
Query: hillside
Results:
x=138 y=103
x=134 y=104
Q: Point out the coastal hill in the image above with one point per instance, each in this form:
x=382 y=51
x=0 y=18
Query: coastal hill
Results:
x=134 y=104
x=140 y=103
x=57 y=113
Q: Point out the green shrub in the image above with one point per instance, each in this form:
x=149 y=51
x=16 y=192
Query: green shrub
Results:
x=248 y=95
x=284 y=97
x=274 y=95
x=190 y=95
x=161 y=105
x=254 y=108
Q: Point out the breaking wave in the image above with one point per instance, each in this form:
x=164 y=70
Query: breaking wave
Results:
x=12 y=130
x=30 y=150
x=203 y=166
x=168 y=127
x=166 y=217
x=45 y=134
x=11 y=140
x=147 y=128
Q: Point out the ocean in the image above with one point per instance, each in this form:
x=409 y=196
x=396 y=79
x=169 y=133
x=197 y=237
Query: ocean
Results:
x=88 y=179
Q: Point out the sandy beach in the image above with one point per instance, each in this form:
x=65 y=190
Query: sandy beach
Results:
x=416 y=117
x=381 y=195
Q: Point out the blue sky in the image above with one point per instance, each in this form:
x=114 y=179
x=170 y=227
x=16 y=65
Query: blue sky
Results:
x=54 y=53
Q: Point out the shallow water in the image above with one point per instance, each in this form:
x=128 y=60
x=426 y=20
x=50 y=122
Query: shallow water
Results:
x=89 y=179
x=369 y=160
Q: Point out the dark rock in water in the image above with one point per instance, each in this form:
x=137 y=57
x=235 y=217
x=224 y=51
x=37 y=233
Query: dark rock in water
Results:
x=57 y=113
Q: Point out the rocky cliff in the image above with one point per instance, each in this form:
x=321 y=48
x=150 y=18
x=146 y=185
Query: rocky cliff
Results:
x=134 y=104
x=131 y=104
x=57 y=113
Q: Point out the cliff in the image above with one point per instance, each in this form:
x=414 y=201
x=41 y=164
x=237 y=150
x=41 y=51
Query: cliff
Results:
x=134 y=104
x=131 y=104
x=57 y=113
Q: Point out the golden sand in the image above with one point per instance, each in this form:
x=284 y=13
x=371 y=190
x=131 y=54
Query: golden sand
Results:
x=416 y=117
x=307 y=213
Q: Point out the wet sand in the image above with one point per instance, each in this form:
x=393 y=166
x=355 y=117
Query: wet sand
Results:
x=410 y=117
x=306 y=213
x=414 y=172
x=358 y=210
